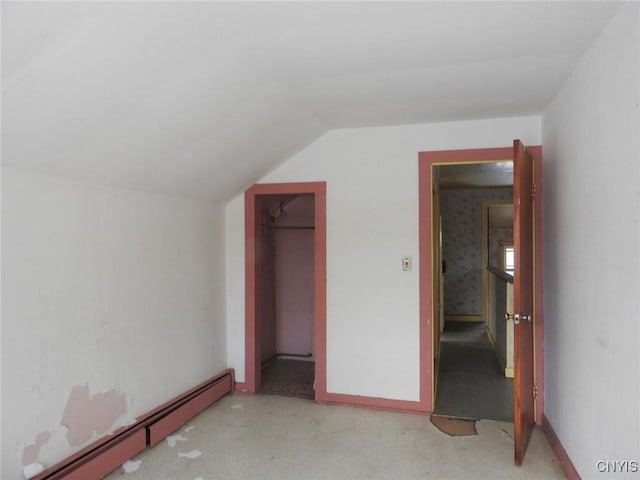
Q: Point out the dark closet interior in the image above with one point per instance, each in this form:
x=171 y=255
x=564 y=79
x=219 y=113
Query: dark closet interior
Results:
x=286 y=298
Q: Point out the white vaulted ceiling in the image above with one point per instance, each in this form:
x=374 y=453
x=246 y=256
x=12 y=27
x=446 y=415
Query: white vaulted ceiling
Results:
x=202 y=99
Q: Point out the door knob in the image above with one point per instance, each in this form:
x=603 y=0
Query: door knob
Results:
x=512 y=316
x=516 y=317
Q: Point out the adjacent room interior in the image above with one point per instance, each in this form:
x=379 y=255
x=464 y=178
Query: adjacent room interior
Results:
x=472 y=225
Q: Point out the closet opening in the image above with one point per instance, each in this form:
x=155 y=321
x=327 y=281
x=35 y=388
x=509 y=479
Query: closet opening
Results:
x=285 y=288
x=286 y=301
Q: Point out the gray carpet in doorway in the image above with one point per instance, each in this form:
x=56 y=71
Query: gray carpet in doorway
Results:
x=471 y=383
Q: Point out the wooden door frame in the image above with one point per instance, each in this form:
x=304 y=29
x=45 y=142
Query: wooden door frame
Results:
x=253 y=325
x=426 y=160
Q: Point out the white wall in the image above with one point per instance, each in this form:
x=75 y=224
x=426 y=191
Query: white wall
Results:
x=591 y=137
x=372 y=221
x=111 y=288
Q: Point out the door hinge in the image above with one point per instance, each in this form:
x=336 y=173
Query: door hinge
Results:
x=533 y=190
x=535 y=392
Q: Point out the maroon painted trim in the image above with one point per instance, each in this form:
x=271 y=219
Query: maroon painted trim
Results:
x=159 y=429
x=109 y=459
x=425 y=282
x=567 y=465
x=252 y=378
x=425 y=161
x=115 y=448
x=470 y=155
x=251 y=356
x=104 y=455
x=373 y=403
x=536 y=154
x=240 y=387
x=161 y=410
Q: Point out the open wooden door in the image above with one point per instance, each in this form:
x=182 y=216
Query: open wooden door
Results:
x=524 y=390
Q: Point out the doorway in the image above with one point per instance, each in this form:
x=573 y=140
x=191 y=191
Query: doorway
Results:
x=286 y=302
x=285 y=290
x=528 y=367
x=471 y=381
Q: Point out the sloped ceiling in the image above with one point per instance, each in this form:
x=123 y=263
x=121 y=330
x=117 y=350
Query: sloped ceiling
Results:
x=201 y=99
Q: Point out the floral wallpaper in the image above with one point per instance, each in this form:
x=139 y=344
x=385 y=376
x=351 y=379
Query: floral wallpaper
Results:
x=462 y=245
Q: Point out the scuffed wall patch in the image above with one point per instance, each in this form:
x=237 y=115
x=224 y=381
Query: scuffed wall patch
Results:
x=31 y=452
x=84 y=414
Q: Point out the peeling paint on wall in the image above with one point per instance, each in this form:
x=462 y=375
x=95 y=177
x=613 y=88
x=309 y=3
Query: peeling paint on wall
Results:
x=84 y=414
x=31 y=452
x=32 y=470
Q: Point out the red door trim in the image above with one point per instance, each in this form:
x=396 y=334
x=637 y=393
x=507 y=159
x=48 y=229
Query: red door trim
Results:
x=425 y=162
x=536 y=154
x=252 y=323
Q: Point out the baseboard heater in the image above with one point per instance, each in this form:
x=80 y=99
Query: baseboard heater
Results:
x=108 y=453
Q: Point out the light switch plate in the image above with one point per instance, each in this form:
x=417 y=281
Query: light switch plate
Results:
x=406 y=263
